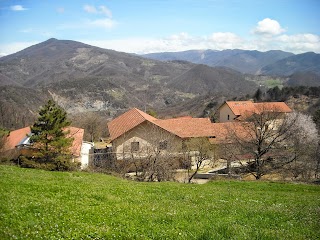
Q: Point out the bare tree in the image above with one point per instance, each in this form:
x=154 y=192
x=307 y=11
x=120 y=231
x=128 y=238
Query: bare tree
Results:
x=93 y=123
x=271 y=140
x=150 y=151
x=200 y=152
x=160 y=154
x=263 y=141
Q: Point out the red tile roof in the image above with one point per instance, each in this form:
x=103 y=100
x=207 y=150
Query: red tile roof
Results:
x=187 y=127
x=127 y=121
x=15 y=137
x=226 y=132
x=77 y=135
x=245 y=109
x=183 y=127
x=279 y=107
x=240 y=107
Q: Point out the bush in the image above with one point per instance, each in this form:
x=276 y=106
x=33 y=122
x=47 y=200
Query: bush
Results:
x=61 y=164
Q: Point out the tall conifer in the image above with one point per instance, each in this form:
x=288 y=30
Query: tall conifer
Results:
x=49 y=138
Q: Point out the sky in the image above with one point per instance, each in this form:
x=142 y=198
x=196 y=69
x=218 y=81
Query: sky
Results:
x=145 y=26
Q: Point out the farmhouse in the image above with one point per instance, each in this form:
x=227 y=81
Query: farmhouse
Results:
x=136 y=131
x=19 y=140
x=232 y=111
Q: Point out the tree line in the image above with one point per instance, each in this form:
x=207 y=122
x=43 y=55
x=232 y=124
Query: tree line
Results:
x=283 y=94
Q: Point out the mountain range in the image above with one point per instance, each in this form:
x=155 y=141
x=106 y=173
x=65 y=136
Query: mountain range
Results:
x=274 y=63
x=83 y=78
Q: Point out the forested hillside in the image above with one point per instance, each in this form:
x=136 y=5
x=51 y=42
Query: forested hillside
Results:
x=83 y=78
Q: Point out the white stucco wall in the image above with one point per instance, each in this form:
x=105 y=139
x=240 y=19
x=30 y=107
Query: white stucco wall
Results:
x=224 y=112
x=85 y=150
x=148 y=136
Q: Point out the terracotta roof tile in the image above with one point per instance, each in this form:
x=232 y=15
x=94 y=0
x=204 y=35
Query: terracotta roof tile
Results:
x=77 y=135
x=183 y=127
x=127 y=121
x=187 y=127
x=224 y=132
x=279 y=107
x=245 y=109
x=15 y=137
x=240 y=107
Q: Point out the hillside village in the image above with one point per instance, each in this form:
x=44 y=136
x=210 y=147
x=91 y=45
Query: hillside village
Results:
x=206 y=147
x=160 y=120
x=214 y=116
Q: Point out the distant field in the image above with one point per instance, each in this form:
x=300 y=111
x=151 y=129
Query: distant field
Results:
x=72 y=205
x=271 y=83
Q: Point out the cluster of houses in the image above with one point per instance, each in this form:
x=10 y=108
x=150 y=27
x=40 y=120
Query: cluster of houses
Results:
x=135 y=130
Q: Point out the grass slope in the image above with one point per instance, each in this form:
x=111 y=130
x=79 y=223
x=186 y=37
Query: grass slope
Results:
x=73 y=205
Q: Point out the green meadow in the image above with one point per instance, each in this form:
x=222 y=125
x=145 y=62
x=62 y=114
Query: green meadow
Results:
x=38 y=204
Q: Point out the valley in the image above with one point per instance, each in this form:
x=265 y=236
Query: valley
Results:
x=82 y=78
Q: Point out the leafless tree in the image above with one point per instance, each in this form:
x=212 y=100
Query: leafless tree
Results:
x=93 y=123
x=263 y=141
x=271 y=140
x=150 y=150
x=200 y=152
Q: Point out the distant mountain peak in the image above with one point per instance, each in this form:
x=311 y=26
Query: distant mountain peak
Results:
x=52 y=40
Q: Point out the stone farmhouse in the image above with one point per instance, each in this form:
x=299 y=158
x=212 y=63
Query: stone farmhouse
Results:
x=135 y=132
x=232 y=111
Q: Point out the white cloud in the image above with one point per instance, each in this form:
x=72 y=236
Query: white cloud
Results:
x=106 y=11
x=105 y=23
x=183 y=41
x=90 y=9
x=300 y=42
x=224 y=40
x=268 y=27
x=101 y=10
x=18 y=8
x=216 y=41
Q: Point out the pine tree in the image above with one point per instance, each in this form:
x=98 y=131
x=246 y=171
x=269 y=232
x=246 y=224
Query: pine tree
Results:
x=49 y=139
x=258 y=95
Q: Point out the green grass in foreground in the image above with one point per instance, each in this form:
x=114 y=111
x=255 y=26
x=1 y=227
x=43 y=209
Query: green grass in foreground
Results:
x=37 y=204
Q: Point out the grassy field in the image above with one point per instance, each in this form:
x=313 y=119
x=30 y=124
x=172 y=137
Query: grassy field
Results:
x=37 y=204
x=271 y=83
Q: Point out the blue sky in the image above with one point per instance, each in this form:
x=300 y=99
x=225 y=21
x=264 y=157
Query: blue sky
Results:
x=144 y=26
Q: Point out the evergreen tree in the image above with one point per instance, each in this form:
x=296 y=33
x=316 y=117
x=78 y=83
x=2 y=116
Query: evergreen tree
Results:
x=258 y=95
x=51 y=146
x=274 y=93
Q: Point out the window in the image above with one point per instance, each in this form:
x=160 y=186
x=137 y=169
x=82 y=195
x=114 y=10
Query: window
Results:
x=134 y=146
x=163 y=145
x=228 y=117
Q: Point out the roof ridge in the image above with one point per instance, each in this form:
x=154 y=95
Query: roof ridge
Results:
x=142 y=114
